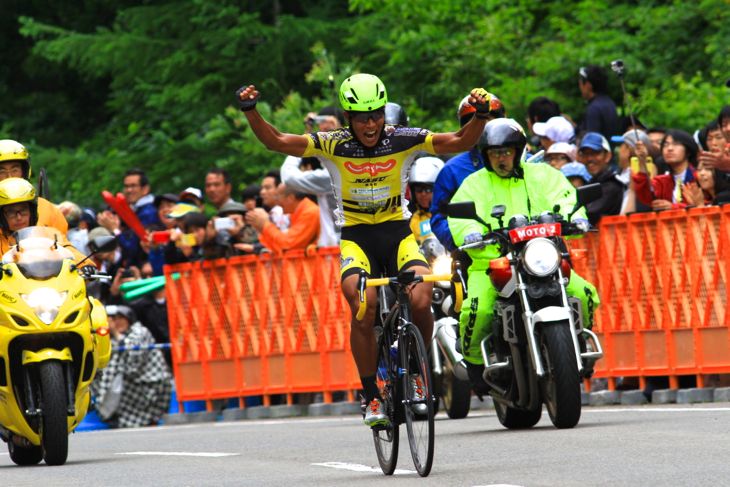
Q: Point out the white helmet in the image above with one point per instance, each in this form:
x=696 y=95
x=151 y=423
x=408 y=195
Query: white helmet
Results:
x=425 y=169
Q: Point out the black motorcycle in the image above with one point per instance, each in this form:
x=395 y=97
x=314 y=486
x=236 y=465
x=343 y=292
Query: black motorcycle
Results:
x=538 y=351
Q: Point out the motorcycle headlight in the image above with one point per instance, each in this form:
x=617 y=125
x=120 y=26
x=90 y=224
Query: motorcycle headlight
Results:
x=45 y=303
x=541 y=257
x=442 y=265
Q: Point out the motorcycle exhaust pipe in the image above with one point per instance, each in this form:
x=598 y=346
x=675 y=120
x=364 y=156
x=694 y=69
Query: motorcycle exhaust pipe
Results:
x=446 y=338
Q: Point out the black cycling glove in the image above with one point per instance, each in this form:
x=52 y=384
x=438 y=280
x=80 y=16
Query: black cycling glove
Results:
x=248 y=103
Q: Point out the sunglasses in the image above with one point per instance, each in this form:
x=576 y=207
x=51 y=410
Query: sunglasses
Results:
x=422 y=189
x=496 y=153
x=363 y=117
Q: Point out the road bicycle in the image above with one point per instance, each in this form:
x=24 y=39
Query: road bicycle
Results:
x=402 y=357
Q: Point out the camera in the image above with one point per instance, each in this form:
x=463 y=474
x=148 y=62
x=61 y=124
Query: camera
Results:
x=127 y=273
x=618 y=67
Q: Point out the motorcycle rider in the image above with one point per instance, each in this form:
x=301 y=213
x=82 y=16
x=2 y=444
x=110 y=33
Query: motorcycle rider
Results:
x=365 y=161
x=423 y=175
x=15 y=163
x=19 y=207
x=527 y=189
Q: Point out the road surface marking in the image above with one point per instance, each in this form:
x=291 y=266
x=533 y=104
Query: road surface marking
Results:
x=179 y=454
x=356 y=467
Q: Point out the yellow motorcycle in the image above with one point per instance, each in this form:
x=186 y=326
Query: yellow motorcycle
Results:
x=53 y=338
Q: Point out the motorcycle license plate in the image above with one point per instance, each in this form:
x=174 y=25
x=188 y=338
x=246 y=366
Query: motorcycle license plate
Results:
x=521 y=234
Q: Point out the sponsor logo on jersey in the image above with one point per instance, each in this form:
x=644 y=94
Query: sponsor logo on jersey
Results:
x=372 y=168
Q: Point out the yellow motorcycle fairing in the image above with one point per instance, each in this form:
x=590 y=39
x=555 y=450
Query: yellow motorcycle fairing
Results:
x=30 y=357
x=36 y=262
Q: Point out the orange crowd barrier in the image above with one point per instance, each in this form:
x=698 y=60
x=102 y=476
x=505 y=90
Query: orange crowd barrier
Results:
x=250 y=325
x=265 y=325
x=662 y=279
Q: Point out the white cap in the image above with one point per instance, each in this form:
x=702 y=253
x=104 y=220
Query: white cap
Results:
x=563 y=148
x=557 y=129
x=193 y=191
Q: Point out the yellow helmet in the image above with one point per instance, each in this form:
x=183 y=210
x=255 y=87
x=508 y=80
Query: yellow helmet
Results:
x=17 y=190
x=11 y=150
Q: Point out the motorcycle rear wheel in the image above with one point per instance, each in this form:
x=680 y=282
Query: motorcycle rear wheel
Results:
x=25 y=456
x=54 y=425
x=561 y=384
x=516 y=419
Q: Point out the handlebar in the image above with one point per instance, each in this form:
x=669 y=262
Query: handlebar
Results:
x=404 y=279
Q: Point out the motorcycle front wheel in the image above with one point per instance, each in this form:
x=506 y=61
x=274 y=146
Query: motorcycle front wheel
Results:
x=561 y=384
x=516 y=419
x=54 y=425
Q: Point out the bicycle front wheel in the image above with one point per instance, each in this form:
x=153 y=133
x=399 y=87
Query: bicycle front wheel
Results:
x=419 y=400
x=386 y=437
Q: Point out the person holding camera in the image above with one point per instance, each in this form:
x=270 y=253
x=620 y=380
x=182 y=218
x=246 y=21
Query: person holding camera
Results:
x=601 y=115
x=303 y=222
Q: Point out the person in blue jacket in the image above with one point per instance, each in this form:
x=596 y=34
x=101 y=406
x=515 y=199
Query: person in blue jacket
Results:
x=456 y=170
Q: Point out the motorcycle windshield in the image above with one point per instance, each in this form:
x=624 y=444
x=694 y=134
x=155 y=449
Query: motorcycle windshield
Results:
x=38 y=252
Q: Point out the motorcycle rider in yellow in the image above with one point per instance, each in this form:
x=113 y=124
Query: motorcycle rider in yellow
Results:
x=423 y=175
x=15 y=163
x=526 y=189
x=368 y=162
x=18 y=210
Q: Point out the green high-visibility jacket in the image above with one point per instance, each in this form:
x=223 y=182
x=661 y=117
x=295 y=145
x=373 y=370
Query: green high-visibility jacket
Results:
x=542 y=185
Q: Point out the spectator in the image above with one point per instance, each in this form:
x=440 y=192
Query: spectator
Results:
x=328 y=118
x=165 y=204
x=107 y=263
x=557 y=129
x=724 y=120
x=718 y=156
x=315 y=182
x=251 y=196
x=595 y=153
x=218 y=187
x=79 y=237
x=232 y=232
x=146 y=379
x=188 y=244
x=304 y=228
x=269 y=199
x=151 y=309
x=629 y=150
x=560 y=154
x=193 y=196
x=541 y=109
x=664 y=192
x=711 y=188
x=600 y=113
x=138 y=194
x=576 y=173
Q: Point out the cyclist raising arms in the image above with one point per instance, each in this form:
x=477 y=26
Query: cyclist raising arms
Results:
x=368 y=162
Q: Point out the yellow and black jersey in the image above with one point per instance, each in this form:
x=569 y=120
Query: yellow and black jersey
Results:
x=370 y=182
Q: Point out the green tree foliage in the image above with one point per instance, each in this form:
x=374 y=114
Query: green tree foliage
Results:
x=150 y=84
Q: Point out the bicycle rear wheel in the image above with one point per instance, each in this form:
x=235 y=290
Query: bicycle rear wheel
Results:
x=386 y=438
x=420 y=426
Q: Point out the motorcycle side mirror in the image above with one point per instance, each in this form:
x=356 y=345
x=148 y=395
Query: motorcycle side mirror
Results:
x=105 y=243
x=498 y=212
x=586 y=194
x=465 y=210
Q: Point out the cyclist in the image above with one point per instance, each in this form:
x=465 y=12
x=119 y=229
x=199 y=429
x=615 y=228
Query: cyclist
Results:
x=526 y=189
x=366 y=161
x=423 y=174
x=19 y=209
x=456 y=169
x=15 y=163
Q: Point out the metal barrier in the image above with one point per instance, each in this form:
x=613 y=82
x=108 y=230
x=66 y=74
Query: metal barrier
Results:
x=279 y=325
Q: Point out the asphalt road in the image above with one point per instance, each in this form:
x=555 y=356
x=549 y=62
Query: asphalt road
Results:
x=617 y=446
